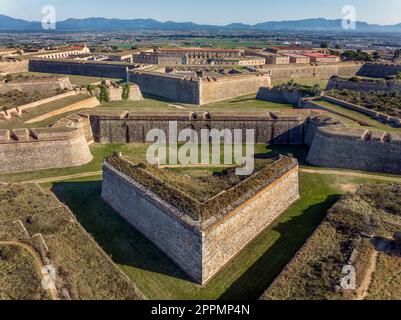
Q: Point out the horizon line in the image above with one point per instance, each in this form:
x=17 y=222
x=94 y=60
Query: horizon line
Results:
x=205 y=24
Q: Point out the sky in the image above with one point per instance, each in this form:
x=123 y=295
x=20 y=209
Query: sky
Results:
x=217 y=12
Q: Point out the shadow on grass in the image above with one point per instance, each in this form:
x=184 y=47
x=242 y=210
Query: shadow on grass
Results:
x=273 y=151
x=159 y=98
x=293 y=233
x=126 y=245
x=244 y=99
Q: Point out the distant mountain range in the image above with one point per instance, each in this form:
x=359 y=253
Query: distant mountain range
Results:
x=102 y=24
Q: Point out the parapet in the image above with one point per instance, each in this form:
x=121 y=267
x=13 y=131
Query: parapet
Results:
x=193 y=212
x=360 y=134
x=166 y=75
x=296 y=115
x=234 y=76
x=38 y=134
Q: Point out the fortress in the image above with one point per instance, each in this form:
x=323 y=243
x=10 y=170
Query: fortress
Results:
x=199 y=90
x=43 y=148
x=130 y=127
x=200 y=237
x=331 y=142
x=364 y=85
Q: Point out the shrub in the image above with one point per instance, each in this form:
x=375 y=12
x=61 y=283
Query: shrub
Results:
x=91 y=88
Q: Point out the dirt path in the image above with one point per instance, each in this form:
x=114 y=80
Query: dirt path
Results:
x=36 y=259
x=363 y=290
x=304 y=170
x=351 y=174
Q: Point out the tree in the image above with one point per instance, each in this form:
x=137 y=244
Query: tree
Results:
x=376 y=55
x=104 y=96
x=356 y=56
x=126 y=91
x=91 y=88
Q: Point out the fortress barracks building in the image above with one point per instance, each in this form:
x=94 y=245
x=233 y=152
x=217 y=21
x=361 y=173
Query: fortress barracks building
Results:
x=186 y=56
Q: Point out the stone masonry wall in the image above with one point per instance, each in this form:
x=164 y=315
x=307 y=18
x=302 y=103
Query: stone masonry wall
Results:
x=224 y=240
x=193 y=90
x=278 y=95
x=365 y=86
x=277 y=130
x=78 y=121
x=81 y=68
x=116 y=93
x=180 y=89
x=200 y=252
x=356 y=150
x=155 y=219
x=10 y=67
x=45 y=148
x=284 y=73
x=379 y=70
x=218 y=89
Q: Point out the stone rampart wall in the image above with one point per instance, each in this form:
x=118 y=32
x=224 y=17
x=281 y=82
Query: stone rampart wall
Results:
x=10 y=67
x=78 y=121
x=131 y=129
x=224 y=240
x=284 y=73
x=45 y=148
x=200 y=252
x=180 y=89
x=81 y=68
x=278 y=95
x=366 y=86
x=155 y=219
x=356 y=150
x=379 y=70
x=218 y=89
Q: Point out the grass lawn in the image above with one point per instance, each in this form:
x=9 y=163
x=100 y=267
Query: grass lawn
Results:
x=248 y=102
x=245 y=103
x=246 y=277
